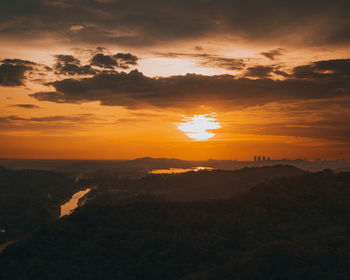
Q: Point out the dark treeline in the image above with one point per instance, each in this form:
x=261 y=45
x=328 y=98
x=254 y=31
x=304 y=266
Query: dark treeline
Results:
x=286 y=228
x=30 y=198
x=189 y=186
x=141 y=166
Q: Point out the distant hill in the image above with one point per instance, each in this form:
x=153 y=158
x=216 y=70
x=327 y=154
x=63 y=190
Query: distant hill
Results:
x=344 y=169
x=286 y=228
x=159 y=163
x=137 y=168
x=192 y=186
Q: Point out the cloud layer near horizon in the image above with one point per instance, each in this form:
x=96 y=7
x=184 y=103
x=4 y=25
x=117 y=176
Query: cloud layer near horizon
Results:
x=318 y=80
x=101 y=80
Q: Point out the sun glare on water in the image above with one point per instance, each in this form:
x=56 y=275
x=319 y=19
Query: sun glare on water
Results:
x=199 y=127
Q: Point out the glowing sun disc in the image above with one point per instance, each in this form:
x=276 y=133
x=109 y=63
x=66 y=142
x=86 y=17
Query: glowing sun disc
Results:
x=197 y=127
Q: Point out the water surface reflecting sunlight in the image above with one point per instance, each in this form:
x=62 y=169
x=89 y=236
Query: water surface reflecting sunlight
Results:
x=179 y=170
x=68 y=207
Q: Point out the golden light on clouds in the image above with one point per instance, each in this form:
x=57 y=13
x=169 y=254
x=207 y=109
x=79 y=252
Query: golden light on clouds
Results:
x=96 y=83
x=199 y=127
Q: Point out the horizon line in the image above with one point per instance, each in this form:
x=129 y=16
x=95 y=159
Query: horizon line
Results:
x=149 y=157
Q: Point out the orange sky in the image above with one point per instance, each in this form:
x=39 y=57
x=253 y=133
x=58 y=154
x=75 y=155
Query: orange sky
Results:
x=285 y=95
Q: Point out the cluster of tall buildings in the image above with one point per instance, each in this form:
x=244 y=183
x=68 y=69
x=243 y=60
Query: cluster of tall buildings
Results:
x=261 y=158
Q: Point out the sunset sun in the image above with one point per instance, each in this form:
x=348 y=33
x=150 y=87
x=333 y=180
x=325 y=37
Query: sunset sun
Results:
x=199 y=127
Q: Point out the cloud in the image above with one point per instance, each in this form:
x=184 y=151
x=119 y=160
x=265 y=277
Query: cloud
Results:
x=321 y=119
x=329 y=127
x=76 y=28
x=272 y=53
x=325 y=69
x=63 y=58
x=119 y=60
x=259 y=71
x=17 y=61
x=336 y=70
x=141 y=23
x=210 y=60
x=135 y=90
x=13 y=71
x=59 y=118
x=26 y=106
x=73 y=69
x=78 y=118
x=49 y=124
x=104 y=61
x=106 y=1
x=125 y=59
x=58 y=3
x=69 y=65
x=221 y=62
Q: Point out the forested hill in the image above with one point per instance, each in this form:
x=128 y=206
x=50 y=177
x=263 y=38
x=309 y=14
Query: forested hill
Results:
x=287 y=228
x=190 y=186
x=29 y=198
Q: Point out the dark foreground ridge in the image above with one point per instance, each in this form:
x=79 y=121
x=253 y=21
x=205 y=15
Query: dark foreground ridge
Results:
x=286 y=228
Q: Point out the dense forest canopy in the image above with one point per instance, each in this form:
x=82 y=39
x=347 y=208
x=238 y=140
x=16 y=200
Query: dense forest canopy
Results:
x=292 y=227
x=30 y=198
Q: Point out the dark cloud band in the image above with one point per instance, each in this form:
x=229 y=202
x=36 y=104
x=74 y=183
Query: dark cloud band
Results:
x=26 y=106
x=140 y=23
x=13 y=71
x=319 y=80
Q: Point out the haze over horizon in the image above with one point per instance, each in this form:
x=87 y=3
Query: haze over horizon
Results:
x=251 y=159
x=188 y=79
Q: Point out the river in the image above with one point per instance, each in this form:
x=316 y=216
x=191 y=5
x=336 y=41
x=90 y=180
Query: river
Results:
x=68 y=207
x=179 y=170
